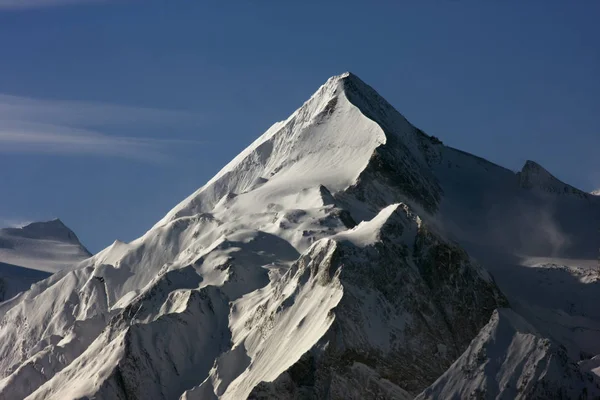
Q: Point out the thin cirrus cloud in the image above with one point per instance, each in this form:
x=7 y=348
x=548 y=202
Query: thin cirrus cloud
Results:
x=81 y=128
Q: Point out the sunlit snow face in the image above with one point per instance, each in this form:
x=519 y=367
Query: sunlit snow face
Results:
x=249 y=273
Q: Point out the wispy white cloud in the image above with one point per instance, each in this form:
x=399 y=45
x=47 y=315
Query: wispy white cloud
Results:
x=25 y=4
x=86 y=113
x=13 y=222
x=67 y=127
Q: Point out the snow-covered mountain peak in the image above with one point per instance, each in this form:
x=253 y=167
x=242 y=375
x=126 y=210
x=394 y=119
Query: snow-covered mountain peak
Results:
x=45 y=246
x=327 y=141
x=49 y=230
x=30 y=253
x=341 y=79
x=324 y=261
x=534 y=170
x=534 y=176
x=344 y=131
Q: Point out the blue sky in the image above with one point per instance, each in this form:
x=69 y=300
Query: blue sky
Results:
x=111 y=112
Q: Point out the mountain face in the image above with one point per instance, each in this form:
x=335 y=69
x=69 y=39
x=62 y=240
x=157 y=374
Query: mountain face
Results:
x=340 y=256
x=31 y=253
x=407 y=295
x=512 y=359
x=534 y=176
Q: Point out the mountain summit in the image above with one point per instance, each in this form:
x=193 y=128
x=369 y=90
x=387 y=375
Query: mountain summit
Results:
x=331 y=259
x=31 y=253
x=534 y=176
x=47 y=230
x=328 y=141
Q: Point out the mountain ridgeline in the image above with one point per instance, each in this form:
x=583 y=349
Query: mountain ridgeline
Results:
x=345 y=254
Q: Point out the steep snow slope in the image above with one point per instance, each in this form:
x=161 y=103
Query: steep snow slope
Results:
x=31 y=253
x=510 y=360
x=326 y=260
x=300 y=153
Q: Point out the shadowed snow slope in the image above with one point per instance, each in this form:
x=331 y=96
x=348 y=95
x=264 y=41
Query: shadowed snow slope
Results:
x=510 y=360
x=328 y=260
x=31 y=253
